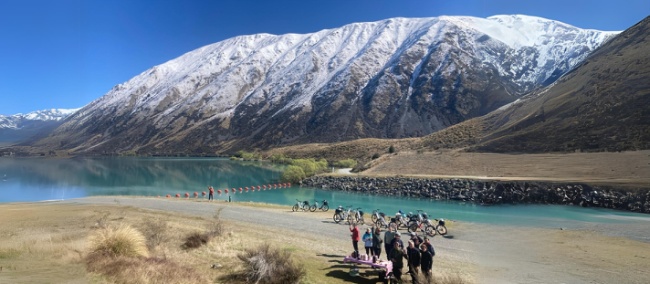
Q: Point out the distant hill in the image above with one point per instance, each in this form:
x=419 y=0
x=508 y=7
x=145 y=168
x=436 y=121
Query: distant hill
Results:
x=18 y=128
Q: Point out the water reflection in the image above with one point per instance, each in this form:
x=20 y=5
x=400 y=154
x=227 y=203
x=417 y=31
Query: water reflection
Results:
x=42 y=179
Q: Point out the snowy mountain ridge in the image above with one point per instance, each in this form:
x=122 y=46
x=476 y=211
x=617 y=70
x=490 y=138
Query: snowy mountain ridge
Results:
x=17 y=121
x=399 y=77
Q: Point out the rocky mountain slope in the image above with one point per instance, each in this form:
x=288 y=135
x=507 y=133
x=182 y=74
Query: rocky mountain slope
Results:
x=21 y=127
x=388 y=79
x=602 y=105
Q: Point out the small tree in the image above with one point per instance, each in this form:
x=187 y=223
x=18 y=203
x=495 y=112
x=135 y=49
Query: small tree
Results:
x=391 y=149
x=293 y=174
x=308 y=166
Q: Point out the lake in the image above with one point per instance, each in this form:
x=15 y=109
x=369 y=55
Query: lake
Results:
x=40 y=179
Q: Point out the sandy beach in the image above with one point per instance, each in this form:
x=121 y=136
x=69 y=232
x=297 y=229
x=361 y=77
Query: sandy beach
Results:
x=477 y=252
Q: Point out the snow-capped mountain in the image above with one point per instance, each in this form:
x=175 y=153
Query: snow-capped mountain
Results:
x=18 y=121
x=20 y=127
x=390 y=79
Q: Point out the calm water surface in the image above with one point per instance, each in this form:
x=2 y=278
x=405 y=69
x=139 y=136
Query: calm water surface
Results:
x=33 y=179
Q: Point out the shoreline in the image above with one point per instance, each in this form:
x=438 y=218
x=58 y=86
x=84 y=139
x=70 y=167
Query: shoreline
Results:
x=491 y=192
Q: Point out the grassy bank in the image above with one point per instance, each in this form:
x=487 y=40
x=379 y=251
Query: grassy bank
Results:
x=50 y=243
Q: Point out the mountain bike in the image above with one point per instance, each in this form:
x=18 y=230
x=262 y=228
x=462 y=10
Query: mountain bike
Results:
x=440 y=227
x=300 y=205
x=324 y=207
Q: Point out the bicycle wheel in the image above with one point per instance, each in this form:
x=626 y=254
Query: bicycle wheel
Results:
x=312 y=208
x=442 y=230
x=294 y=208
x=374 y=218
x=360 y=220
x=413 y=228
x=430 y=230
x=337 y=218
x=393 y=225
x=351 y=219
x=325 y=208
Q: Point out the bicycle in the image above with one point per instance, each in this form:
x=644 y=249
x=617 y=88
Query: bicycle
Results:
x=300 y=205
x=381 y=223
x=440 y=227
x=376 y=215
x=324 y=207
x=341 y=214
x=399 y=221
x=356 y=217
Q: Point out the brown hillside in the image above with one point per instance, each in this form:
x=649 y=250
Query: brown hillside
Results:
x=602 y=105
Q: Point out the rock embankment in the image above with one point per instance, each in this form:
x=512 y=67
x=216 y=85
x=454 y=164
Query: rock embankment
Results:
x=492 y=192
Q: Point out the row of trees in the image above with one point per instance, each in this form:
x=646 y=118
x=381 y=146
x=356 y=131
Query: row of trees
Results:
x=298 y=169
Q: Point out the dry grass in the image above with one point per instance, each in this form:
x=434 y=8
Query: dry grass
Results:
x=47 y=243
x=122 y=269
x=626 y=168
x=267 y=265
x=122 y=240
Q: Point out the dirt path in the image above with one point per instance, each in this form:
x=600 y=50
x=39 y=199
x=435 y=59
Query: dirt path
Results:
x=480 y=253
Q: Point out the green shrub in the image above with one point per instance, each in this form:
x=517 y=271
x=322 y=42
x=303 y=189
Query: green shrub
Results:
x=280 y=159
x=293 y=174
x=309 y=166
x=375 y=156
x=391 y=149
x=248 y=156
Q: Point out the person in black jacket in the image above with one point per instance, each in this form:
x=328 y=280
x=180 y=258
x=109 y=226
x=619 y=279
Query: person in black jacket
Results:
x=413 y=254
x=426 y=262
x=396 y=256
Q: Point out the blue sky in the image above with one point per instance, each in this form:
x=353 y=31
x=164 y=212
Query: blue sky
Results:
x=67 y=53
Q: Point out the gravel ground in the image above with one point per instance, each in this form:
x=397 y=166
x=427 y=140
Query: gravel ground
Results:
x=481 y=253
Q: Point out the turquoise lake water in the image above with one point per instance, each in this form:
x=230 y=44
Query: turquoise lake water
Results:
x=35 y=179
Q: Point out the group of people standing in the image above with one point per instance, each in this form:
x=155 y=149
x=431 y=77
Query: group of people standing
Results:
x=419 y=252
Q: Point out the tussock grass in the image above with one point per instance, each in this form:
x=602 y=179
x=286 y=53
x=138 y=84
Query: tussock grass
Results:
x=267 y=265
x=122 y=240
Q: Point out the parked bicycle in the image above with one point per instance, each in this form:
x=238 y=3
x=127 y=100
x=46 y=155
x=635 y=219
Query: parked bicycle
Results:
x=376 y=215
x=300 y=205
x=324 y=207
x=399 y=221
x=356 y=216
x=418 y=222
x=440 y=227
x=382 y=223
x=341 y=214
